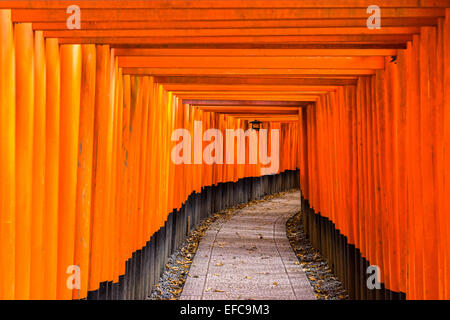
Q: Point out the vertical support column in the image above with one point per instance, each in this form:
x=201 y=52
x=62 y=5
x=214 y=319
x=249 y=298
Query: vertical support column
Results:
x=446 y=62
x=99 y=221
x=23 y=36
x=50 y=227
x=69 y=130
x=84 y=170
x=428 y=158
x=7 y=156
x=37 y=217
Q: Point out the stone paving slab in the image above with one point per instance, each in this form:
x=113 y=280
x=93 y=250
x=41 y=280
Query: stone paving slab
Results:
x=249 y=257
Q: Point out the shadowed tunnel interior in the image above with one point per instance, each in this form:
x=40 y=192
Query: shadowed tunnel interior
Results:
x=115 y=121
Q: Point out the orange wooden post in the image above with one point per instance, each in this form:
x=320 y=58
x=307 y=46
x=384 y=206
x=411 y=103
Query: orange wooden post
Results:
x=99 y=221
x=446 y=61
x=108 y=166
x=416 y=183
x=68 y=156
x=52 y=137
x=113 y=275
x=402 y=159
x=38 y=187
x=146 y=225
x=7 y=157
x=153 y=139
x=428 y=158
x=115 y=183
x=440 y=149
x=360 y=160
x=120 y=229
x=375 y=184
x=143 y=161
x=24 y=46
x=84 y=171
x=125 y=167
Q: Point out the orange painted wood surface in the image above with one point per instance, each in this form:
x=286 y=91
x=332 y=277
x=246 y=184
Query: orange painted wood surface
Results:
x=87 y=116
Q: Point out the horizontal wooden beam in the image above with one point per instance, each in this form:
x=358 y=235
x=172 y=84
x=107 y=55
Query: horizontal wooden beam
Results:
x=242 y=24
x=229 y=45
x=255 y=52
x=244 y=87
x=191 y=4
x=252 y=62
x=231 y=32
x=244 y=71
x=248 y=93
x=303 y=98
x=180 y=14
x=330 y=39
x=234 y=80
x=240 y=103
x=269 y=118
x=250 y=109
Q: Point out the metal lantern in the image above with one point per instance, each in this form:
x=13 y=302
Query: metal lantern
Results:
x=256 y=125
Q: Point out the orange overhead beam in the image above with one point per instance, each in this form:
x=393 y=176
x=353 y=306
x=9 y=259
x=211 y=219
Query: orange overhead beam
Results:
x=304 y=98
x=240 y=103
x=310 y=39
x=236 y=80
x=269 y=118
x=239 y=109
x=244 y=71
x=231 y=32
x=207 y=93
x=254 y=52
x=188 y=4
x=310 y=23
x=254 y=62
x=243 y=87
x=167 y=14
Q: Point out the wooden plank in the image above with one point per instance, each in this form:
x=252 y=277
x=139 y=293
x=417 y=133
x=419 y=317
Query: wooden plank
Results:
x=159 y=4
x=168 y=14
x=253 y=40
x=255 y=52
x=255 y=81
x=229 y=32
x=253 y=62
x=224 y=71
x=243 y=24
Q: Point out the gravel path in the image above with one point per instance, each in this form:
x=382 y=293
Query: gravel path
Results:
x=243 y=253
x=249 y=257
x=171 y=283
x=326 y=285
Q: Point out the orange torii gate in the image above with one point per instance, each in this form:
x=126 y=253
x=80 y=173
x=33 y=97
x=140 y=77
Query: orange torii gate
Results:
x=363 y=114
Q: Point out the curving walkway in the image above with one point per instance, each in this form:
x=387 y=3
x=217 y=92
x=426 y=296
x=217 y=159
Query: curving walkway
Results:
x=249 y=257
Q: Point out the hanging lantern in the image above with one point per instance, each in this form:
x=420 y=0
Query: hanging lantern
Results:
x=256 y=125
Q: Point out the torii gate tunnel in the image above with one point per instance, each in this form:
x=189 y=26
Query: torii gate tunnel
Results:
x=97 y=184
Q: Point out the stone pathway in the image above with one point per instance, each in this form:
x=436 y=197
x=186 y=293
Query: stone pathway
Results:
x=249 y=257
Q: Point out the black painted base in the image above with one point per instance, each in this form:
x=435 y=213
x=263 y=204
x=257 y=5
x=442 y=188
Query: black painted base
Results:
x=345 y=259
x=143 y=270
